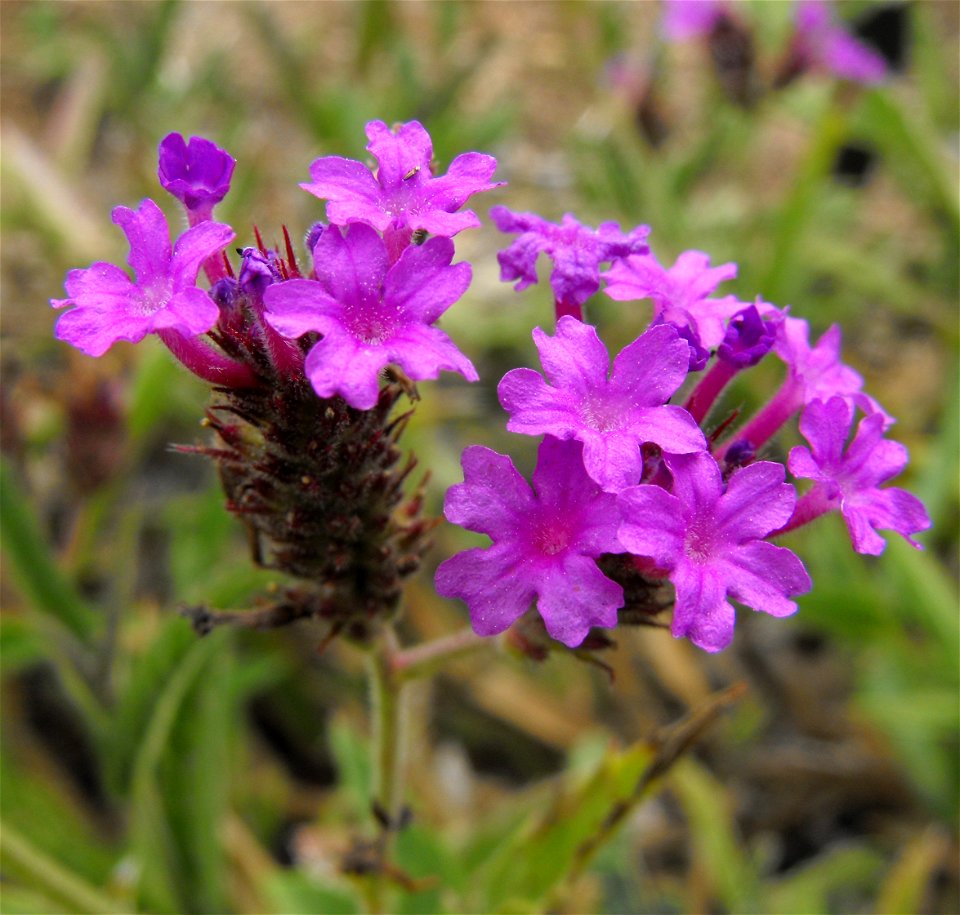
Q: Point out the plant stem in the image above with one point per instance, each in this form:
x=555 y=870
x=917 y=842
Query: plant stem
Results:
x=385 y=707
x=426 y=659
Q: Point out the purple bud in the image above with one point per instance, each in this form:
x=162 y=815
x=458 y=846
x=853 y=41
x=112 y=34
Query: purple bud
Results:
x=699 y=356
x=748 y=339
x=197 y=174
x=738 y=454
x=313 y=236
x=257 y=271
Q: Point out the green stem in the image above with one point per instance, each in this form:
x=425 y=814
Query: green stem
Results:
x=426 y=659
x=385 y=707
x=51 y=878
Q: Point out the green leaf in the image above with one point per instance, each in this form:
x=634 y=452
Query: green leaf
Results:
x=293 y=892
x=32 y=566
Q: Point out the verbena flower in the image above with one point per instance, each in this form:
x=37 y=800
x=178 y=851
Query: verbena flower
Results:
x=685 y=19
x=545 y=543
x=403 y=196
x=612 y=416
x=371 y=313
x=197 y=173
x=849 y=478
x=108 y=306
x=819 y=43
x=709 y=541
x=680 y=294
x=575 y=249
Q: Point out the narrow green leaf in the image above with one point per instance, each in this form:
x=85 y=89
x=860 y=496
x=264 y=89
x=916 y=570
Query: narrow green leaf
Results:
x=31 y=564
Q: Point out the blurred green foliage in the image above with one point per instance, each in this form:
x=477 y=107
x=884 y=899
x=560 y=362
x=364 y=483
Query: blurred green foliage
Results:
x=146 y=770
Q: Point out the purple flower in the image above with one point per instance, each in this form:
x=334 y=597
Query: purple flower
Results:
x=108 y=306
x=611 y=417
x=850 y=479
x=198 y=174
x=685 y=19
x=680 y=294
x=576 y=251
x=545 y=543
x=748 y=339
x=710 y=541
x=819 y=43
x=372 y=313
x=404 y=196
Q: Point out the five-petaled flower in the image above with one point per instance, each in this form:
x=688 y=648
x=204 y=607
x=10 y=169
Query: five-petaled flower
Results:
x=849 y=479
x=403 y=196
x=708 y=539
x=612 y=416
x=108 y=306
x=371 y=312
x=545 y=543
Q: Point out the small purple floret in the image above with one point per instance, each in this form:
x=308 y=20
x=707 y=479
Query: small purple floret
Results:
x=685 y=19
x=404 y=196
x=849 y=479
x=198 y=174
x=545 y=543
x=612 y=416
x=710 y=541
x=371 y=312
x=575 y=249
x=108 y=306
x=680 y=294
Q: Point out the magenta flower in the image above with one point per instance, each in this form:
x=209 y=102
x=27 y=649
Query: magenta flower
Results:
x=612 y=416
x=685 y=19
x=108 y=306
x=198 y=174
x=371 y=313
x=545 y=543
x=575 y=249
x=404 y=196
x=820 y=44
x=710 y=542
x=680 y=294
x=850 y=479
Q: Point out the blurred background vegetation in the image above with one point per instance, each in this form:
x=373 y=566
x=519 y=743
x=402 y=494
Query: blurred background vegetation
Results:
x=144 y=769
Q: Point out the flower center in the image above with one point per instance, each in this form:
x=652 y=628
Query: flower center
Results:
x=154 y=296
x=604 y=414
x=551 y=536
x=699 y=542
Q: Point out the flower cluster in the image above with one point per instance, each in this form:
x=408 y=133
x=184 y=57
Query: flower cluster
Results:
x=673 y=492
x=306 y=362
x=641 y=484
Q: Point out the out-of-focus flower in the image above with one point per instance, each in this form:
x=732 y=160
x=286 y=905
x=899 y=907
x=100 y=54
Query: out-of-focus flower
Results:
x=612 y=416
x=819 y=43
x=371 y=312
x=545 y=543
x=575 y=249
x=709 y=542
x=849 y=478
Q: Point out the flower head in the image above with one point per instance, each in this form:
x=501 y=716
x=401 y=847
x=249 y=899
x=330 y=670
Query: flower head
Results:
x=372 y=313
x=820 y=44
x=612 y=416
x=709 y=540
x=197 y=173
x=575 y=249
x=545 y=543
x=404 y=196
x=108 y=306
x=849 y=479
